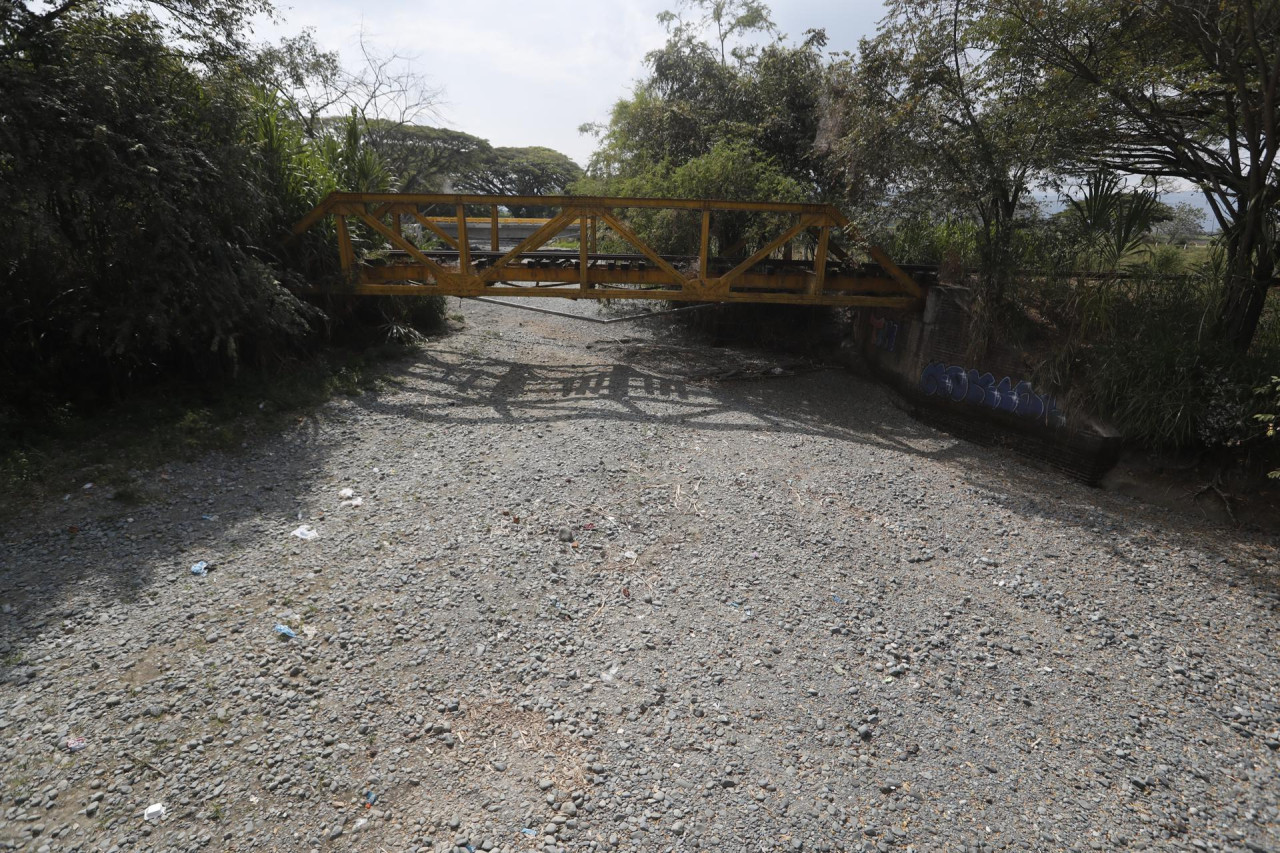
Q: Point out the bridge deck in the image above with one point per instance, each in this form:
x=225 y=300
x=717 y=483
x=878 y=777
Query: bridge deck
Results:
x=826 y=275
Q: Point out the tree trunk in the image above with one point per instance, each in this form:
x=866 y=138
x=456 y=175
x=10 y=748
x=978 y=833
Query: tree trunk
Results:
x=995 y=251
x=1246 y=296
x=1251 y=265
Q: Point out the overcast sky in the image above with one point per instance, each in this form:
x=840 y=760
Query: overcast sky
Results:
x=529 y=72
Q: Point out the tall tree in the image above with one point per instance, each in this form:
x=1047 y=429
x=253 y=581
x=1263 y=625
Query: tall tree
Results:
x=691 y=102
x=688 y=102
x=930 y=110
x=728 y=19
x=717 y=119
x=1177 y=89
x=519 y=171
x=424 y=159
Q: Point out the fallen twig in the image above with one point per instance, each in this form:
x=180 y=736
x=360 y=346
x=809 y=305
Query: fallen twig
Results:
x=144 y=763
x=1216 y=488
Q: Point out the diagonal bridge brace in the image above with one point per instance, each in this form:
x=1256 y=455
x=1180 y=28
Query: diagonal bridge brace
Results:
x=768 y=249
x=585 y=274
x=631 y=237
x=441 y=274
x=534 y=241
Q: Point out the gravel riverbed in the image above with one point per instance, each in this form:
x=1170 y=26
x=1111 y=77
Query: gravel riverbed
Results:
x=593 y=592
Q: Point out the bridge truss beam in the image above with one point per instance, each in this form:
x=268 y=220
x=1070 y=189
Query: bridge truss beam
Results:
x=529 y=269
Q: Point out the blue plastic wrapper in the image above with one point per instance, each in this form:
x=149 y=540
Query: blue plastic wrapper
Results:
x=285 y=631
x=201 y=568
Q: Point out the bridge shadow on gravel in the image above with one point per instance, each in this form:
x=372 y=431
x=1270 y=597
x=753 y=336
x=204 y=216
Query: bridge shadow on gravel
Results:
x=479 y=391
x=457 y=389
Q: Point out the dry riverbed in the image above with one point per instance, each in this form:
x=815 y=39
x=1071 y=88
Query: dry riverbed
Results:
x=587 y=593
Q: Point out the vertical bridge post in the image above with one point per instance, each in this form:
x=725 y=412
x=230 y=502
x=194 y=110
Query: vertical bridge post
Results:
x=464 y=244
x=346 y=256
x=704 y=246
x=584 y=262
x=820 y=260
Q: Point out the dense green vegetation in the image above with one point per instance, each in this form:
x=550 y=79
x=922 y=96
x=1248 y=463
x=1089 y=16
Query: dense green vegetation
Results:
x=147 y=182
x=953 y=135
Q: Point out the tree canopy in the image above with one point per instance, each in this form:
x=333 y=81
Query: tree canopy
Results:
x=518 y=171
x=763 y=110
x=727 y=19
x=426 y=159
x=930 y=113
x=1174 y=89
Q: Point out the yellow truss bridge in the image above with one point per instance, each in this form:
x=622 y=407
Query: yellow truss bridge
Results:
x=798 y=260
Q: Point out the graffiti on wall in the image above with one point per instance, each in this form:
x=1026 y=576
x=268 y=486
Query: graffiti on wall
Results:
x=969 y=386
x=886 y=332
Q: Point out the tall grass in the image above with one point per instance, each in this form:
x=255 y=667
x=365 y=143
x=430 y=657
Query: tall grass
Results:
x=1143 y=356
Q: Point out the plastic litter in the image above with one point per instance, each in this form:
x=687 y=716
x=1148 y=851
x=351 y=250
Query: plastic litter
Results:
x=285 y=631
x=529 y=832
x=201 y=568
x=369 y=799
x=75 y=744
x=837 y=599
x=346 y=494
x=154 y=812
x=353 y=502
x=306 y=532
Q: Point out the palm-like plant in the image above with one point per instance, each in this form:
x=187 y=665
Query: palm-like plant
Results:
x=1115 y=219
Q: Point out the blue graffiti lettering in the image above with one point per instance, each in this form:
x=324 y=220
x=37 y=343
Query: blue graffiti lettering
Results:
x=886 y=332
x=981 y=389
x=931 y=381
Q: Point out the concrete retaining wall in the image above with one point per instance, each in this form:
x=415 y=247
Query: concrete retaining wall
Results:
x=992 y=401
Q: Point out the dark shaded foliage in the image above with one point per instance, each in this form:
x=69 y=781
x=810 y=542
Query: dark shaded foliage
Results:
x=140 y=232
x=147 y=197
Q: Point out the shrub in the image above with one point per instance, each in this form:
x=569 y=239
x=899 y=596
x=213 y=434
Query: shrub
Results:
x=1270 y=419
x=143 y=217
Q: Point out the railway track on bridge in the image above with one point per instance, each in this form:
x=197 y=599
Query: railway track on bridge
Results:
x=802 y=254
